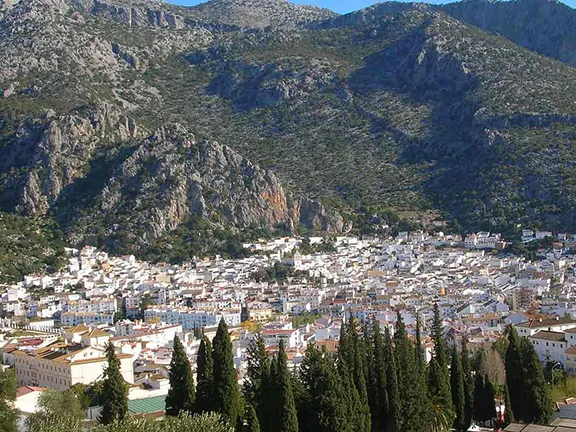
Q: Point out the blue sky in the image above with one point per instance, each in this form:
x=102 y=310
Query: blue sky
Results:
x=340 y=6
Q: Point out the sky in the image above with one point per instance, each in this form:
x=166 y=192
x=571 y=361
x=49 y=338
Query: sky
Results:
x=340 y=6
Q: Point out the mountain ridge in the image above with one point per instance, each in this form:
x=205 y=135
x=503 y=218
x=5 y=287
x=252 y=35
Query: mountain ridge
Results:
x=399 y=113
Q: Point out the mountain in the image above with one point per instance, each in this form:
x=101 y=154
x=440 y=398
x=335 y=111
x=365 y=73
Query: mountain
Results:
x=136 y=126
x=547 y=27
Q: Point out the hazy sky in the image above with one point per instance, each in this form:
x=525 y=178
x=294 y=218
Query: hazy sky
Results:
x=340 y=6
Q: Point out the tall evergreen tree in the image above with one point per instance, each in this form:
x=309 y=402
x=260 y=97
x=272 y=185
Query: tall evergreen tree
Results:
x=489 y=405
x=538 y=402
x=225 y=386
x=420 y=361
x=508 y=412
x=352 y=357
x=287 y=417
x=257 y=370
x=328 y=410
x=115 y=407
x=381 y=365
x=439 y=379
x=458 y=392
x=204 y=377
x=468 y=384
x=252 y=423
x=479 y=395
x=416 y=407
x=370 y=372
x=182 y=393
x=515 y=375
x=393 y=408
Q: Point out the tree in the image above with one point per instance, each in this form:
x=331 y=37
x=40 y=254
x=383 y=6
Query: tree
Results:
x=393 y=405
x=508 y=412
x=379 y=408
x=491 y=364
x=8 y=416
x=115 y=407
x=488 y=400
x=415 y=404
x=182 y=393
x=351 y=362
x=479 y=394
x=458 y=392
x=225 y=388
x=252 y=423
x=439 y=380
x=327 y=410
x=515 y=375
x=257 y=370
x=285 y=409
x=538 y=403
x=56 y=411
x=420 y=361
x=468 y=384
x=185 y=422
x=204 y=376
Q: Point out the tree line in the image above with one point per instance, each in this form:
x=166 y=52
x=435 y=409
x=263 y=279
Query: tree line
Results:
x=375 y=382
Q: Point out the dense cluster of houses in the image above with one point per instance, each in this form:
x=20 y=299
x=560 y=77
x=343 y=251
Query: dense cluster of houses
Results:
x=55 y=327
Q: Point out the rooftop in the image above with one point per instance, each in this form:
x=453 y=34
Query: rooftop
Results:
x=549 y=335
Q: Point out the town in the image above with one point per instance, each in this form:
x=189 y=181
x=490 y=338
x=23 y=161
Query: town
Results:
x=54 y=328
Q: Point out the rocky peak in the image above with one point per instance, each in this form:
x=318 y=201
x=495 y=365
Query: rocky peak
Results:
x=259 y=13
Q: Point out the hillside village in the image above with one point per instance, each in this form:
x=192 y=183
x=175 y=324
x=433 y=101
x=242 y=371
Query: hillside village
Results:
x=55 y=327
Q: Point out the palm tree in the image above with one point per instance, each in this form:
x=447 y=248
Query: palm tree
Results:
x=442 y=415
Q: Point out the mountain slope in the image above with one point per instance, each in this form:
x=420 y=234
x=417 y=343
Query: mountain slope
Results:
x=547 y=27
x=399 y=110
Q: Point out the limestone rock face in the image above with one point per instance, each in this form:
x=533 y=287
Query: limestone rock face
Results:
x=170 y=176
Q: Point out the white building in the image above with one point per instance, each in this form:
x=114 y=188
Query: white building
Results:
x=193 y=318
x=61 y=365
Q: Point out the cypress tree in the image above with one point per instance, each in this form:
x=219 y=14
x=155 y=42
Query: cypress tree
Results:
x=468 y=385
x=515 y=376
x=538 y=402
x=479 y=395
x=508 y=412
x=257 y=370
x=351 y=356
x=182 y=393
x=287 y=417
x=115 y=407
x=488 y=403
x=439 y=380
x=225 y=387
x=252 y=423
x=420 y=361
x=381 y=365
x=416 y=407
x=204 y=377
x=370 y=373
x=393 y=408
x=328 y=410
x=458 y=392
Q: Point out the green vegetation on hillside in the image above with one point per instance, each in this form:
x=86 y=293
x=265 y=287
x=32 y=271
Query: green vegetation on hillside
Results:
x=27 y=246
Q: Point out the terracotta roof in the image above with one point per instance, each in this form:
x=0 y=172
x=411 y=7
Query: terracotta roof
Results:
x=78 y=329
x=549 y=335
x=22 y=391
x=547 y=322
